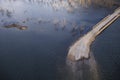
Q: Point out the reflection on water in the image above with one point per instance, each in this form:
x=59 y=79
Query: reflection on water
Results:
x=50 y=26
x=80 y=70
x=62 y=16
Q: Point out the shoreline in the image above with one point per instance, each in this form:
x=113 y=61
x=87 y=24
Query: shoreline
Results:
x=81 y=48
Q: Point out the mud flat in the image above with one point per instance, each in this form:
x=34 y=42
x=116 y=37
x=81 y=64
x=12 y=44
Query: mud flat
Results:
x=81 y=48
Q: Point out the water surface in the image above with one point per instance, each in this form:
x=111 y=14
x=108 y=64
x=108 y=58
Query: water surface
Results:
x=40 y=51
x=106 y=49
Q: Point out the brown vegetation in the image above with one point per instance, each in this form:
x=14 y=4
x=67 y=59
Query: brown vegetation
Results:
x=16 y=26
x=107 y=3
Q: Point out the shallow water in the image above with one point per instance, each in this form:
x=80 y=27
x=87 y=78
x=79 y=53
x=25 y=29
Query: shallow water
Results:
x=38 y=52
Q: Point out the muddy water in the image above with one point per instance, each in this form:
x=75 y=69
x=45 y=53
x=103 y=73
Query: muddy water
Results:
x=39 y=51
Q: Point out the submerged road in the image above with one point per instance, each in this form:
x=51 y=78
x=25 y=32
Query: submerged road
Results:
x=81 y=48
